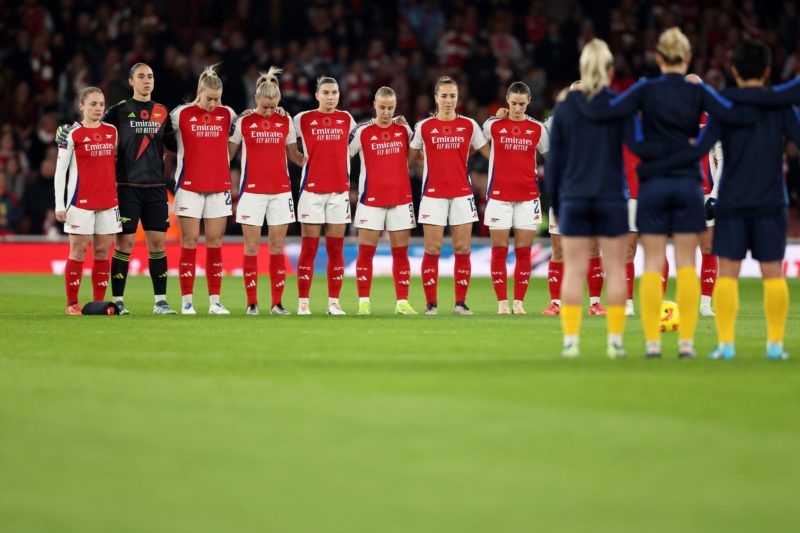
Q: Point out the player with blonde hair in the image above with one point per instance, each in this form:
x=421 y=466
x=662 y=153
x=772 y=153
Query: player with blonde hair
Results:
x=203 y=185
x=268 y=141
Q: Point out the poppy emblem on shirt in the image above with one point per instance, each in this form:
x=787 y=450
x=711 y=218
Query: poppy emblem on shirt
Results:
x=386 y=136
x=447 y=130
x=144 y=114
x=516 y=130
x=326 y=121
x=206 y=118
x=97 y=137
x=265 y=124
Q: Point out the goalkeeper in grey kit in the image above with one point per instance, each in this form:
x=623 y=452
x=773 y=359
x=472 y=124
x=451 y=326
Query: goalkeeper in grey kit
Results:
x=141 y=185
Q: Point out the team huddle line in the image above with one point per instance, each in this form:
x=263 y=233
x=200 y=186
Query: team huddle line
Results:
x=617 y=166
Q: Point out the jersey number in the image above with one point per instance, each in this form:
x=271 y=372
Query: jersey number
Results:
x=228 y=200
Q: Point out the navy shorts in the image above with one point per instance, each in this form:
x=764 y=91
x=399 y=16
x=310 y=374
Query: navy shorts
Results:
x=590 y=218
x=764 y=236
x=670 y=205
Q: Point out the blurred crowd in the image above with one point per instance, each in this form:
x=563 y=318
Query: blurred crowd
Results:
x=49 y=50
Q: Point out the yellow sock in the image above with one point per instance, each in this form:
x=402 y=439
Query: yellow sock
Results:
x=776 y=307
x=650 y=304
x=571 y=320
x=688 y=300
x=726 y=305
x=615 y=319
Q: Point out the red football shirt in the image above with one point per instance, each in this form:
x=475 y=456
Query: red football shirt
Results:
x=89 y=155
x=203 y=163
x=264 y=141
x=445 y=146
x=631 y=162
x=512 y=163
x=384 y=180
x=325 y=139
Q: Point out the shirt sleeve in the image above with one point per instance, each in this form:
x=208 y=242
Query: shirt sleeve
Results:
x=175 y=118
x=65 y=153
x=291 y=137
x=715 y=159
x=791 y=125
x=416 y=139
x=544 y=142
x=487 y=128
x=355 y=142
x=620 y=106
x=553 y=165
x=352 y=123
x=780 y=95
x=298 y=130
x=478 y=141
x=236 y=136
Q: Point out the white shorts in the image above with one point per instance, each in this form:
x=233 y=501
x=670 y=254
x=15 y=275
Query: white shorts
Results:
x=709 y=223
x=448 y=211
x=254 y=209
x=88 y=222
x=203 y=204
x=393 y=218
x=553 y=228
x=506 y=215
x=632 y=203
x=326 y=208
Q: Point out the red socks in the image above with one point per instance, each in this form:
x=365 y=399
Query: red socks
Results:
x=364 y=269
x=708 y=276
x=186 y=270
x=277 y=277
x=522 y=272
x=250 y=272
x=430 y=276
x=665 y=276
x=462 y=271
x=100 y=272
x=595 y=276
x=499 y=272
x=630 y=274
x=214 y=270
x=335 y=249
x=73 y=273
x=305 y=265
x=401 y=271
x=554 y=272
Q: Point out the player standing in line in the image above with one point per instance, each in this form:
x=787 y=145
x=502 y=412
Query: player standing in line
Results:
x=671 y=203
x=88 y=154
x=513 y=193
x=589 y=199
x=710 y=167
x=555 y=267
x=444 y=140
x=265 y=193
x=142 y=125
x=631 y=162
x=324 y=191
x=751 y=214
x=203 y=185
x=384 y=192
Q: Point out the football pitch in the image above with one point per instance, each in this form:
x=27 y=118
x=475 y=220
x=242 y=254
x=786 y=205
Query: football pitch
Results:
x=383 y=423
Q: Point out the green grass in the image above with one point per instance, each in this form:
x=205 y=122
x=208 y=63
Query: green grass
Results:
x=382 y=423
